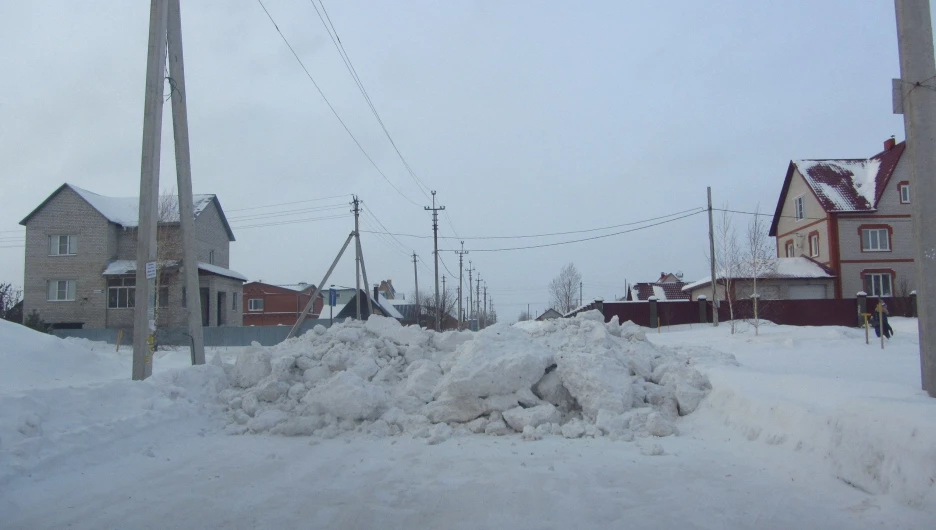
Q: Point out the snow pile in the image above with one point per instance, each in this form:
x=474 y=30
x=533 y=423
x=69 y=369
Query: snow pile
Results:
x=570 y=377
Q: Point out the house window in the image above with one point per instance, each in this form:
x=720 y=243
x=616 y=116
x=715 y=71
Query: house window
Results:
x=789 y=249
x=61 y=290
x=121 y=293
x=63 y=245
x=878 y=284
x=814 y=245
x=905 y=193
x=875 y=240
x=233 y=301
x=163 y=299
x=799 y=207
x=255 y=304
x=211 y=257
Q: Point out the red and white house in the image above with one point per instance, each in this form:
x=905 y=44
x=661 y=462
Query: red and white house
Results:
x=275 y=305
x=853 y=216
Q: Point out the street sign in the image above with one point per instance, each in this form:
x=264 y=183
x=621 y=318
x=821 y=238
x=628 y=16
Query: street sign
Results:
x=150 y=270
x=332 y=297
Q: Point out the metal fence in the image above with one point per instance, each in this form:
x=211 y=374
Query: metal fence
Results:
x=214 y=336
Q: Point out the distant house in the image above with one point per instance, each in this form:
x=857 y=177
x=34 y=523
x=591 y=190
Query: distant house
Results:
x=549 y=314
x=852 y=216
x=382 y=307
x=386 y=287
x=276 y=305
x=411 y=317
x=794 y=279
x=81 y=262
x=668 y=286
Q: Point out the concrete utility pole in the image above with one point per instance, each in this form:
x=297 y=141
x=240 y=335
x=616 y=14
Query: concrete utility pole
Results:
x=581 y=298
x=461 y=254
x=711 y=238
x=485 y=304
x=470 y=305
x=918 y=105
x=416 y=280
x=435 y=241
x=478 y=303
x=144 y=313
x=357 y=256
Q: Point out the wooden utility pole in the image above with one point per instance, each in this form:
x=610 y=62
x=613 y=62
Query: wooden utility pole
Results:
x=711 y=237
x=416 y=280
x=435 y=241
x=357 y=256
x=144 y=314
x=461 y=254
x=917 y=102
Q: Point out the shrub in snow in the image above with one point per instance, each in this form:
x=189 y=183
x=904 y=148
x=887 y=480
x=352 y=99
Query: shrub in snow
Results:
x=571 y=377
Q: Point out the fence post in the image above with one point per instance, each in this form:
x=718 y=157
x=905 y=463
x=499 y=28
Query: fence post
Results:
x=599 y=305
x=652 y=302
x=862 y=305
x=913 y=304
x=703 y=312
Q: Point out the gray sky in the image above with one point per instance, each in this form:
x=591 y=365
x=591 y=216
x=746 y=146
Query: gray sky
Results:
x=527 y=117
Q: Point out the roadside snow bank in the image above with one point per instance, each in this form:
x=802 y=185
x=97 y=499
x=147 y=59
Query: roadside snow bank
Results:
x=571 y=377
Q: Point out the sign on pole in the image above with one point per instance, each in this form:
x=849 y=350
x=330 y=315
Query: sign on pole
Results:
x=332 y=297
x=150 y=270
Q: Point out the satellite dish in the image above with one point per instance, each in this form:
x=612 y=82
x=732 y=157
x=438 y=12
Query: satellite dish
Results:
x=679 y=275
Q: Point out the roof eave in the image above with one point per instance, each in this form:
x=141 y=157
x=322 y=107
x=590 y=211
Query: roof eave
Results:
x=783 y=193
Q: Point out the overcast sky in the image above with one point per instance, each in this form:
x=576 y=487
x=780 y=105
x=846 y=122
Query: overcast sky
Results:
x=527 y=117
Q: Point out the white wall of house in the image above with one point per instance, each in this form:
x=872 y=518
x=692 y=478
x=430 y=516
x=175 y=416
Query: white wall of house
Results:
x=798 y=232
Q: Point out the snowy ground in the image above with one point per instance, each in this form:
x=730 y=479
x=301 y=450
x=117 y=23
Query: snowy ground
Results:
x=809 y=428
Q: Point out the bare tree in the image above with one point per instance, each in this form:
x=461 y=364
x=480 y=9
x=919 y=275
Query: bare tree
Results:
x=759 y=259
x=727 y=262
x=564 y=289
x=10 y=297
x=168 y=250
x=524 y=316
x=426 y=310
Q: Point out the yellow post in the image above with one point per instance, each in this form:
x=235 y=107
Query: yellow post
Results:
x=866 y=315
x=119 y=338
x=658 y=325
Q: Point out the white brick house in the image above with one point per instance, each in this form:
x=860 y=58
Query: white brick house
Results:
x=853 y=216
x=81 y=262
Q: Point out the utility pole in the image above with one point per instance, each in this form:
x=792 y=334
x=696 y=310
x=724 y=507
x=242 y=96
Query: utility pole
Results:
x=461 y=254
x=711 y=238
x=581 y=298
x=528 y=312
x=485 y=304
x=917 y=96
x=470 y=305
x=416 y=280
x=439 y=309
x=165 y=31
x=478 y=303
x=435 y=240
x=357 y=256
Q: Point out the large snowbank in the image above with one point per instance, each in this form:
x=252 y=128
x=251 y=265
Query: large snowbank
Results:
x=574 y=377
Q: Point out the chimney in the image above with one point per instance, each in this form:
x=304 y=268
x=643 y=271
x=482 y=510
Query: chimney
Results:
x=889 y=143
x=376 y=292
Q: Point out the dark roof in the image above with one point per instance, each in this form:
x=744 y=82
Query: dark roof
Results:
x=839 y=184
x=671 y=290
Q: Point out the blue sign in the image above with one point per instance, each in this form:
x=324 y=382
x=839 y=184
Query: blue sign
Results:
x=332 y=297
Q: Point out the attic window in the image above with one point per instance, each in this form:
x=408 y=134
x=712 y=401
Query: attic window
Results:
x=905 y=194
x=799 y=208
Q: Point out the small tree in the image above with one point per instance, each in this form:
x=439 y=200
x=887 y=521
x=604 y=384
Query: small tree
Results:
x=426 y=310
x=10 y=298
x=727 y=261
x=524 y=316
x=34 y=321
x=760 y=259
x=564 y=289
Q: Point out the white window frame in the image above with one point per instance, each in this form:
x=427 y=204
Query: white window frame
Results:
x=127 y=285
x=799 y=208
x=55 y=245
x=68 y=287
x=904 y=188
x=814 y=245
x=870 y=247
x=789 y=249
x=252 y=306
x=876 y=288
x=211 y=257
x=234 y=301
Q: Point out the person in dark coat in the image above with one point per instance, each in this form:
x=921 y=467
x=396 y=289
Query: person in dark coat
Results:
x=876 y=322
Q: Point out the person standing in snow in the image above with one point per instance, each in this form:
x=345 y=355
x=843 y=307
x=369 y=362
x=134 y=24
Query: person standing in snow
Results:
x=879 y=321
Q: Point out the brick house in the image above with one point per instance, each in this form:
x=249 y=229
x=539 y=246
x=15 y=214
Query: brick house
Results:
x=852 y=216
x=81 y=262
x=799 y=278
x=668 y=286
x=276 y=305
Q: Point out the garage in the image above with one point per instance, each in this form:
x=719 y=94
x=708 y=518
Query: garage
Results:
x=806 y=292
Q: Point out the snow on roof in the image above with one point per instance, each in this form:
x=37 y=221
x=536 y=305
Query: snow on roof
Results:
x=388 y=307
x=128 y=266
x=845 y=185
x=125 y=211
x=659 y=293
x=787 y=268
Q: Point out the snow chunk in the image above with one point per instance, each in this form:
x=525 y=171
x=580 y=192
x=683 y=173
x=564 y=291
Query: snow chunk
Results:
x=347 y=395
x=520 y=418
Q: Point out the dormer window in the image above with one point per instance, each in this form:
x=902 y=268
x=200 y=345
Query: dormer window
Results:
x=904 y=193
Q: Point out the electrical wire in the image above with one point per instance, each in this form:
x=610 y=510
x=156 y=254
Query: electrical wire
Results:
x=588 y=238
x=335 y=112
x=287 y=203
x=294 y=221
x=287 y=213
x=333 y=34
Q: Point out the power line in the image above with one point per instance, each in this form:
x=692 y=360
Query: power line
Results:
x=357 y=80
x=693 y=210
x=768 y=214
x=309 y=75
x=588 y=238
x=292 y=221
x=288 y=203
x=286 y=213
